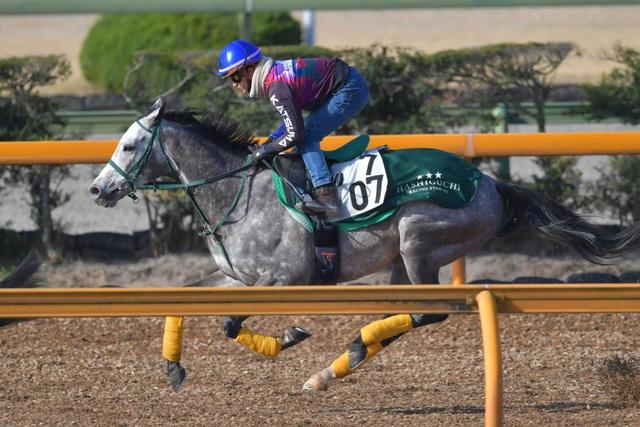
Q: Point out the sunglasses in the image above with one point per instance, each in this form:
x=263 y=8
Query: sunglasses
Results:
x=236 y=77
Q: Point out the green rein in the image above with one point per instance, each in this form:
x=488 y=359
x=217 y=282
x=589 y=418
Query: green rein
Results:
x=134 y=173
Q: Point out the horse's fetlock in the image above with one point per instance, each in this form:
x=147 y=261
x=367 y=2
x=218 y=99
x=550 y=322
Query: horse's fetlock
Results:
x=232 y=326
x=418 y=320
x=357 y=353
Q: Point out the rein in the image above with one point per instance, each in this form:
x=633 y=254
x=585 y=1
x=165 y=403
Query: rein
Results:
x=131 y=177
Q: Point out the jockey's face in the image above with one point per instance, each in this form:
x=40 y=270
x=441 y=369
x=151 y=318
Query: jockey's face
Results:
x=241 y=79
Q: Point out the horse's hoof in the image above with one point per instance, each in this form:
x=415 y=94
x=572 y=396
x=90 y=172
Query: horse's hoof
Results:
x=316 y=383
x=177 y=374
x=293 y=336
x=357 y=353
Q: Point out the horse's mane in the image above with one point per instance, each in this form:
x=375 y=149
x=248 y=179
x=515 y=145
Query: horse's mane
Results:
x=216 y=127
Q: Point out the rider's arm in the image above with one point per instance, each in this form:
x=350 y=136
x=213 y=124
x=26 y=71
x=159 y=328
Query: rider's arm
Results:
x=283 y=100
x=278 y=132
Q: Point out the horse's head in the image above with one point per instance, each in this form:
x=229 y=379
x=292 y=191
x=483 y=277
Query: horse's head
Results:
x=137 y=159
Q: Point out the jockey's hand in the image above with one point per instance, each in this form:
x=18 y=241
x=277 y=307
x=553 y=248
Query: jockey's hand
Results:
x=259 y=153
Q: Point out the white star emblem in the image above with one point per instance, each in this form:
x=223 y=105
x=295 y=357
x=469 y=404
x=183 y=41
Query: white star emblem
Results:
x=429 y=175
x=419 y=177
x=438 y=175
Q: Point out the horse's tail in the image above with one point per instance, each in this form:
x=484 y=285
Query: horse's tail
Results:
x=22 y=277
x=571 y=230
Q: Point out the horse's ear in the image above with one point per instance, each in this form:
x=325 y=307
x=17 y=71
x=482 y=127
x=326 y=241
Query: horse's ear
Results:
x=155 y=113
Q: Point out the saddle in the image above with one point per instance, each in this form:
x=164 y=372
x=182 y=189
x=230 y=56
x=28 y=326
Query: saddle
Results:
x=373 y=184
x=293 y=172
x=298 y=186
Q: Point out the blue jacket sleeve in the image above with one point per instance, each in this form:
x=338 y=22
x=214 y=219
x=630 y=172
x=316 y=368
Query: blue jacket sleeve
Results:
x=278 y=132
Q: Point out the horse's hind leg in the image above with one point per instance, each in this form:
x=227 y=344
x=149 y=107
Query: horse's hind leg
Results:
x=374 y=337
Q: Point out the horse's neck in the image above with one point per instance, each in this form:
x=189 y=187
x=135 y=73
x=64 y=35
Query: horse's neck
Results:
x=196 y=159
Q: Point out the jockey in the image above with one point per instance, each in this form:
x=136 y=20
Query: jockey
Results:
x=329 y=89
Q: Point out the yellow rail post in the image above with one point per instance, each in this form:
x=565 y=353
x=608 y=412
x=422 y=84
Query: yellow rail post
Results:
x=458 y=271
x=492 y=358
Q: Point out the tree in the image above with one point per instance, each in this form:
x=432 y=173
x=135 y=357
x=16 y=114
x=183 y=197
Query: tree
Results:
x=25 y=115
x=511 y=74
x=404 y=96
x=506 y=73
x=617 y=95
x=617 y=191
x=113 y=40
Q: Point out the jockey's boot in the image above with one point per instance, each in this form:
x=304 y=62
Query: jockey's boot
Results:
x=325 y=202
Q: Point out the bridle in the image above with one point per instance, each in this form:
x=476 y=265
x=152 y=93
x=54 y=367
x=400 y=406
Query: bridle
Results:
x=130 y=186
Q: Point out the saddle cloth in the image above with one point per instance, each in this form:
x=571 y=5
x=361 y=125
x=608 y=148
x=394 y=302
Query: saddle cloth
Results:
x=380 y=182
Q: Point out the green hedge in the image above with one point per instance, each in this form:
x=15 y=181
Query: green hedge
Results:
x=108 y=49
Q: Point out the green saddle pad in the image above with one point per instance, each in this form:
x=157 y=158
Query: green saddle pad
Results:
x=348 y=151
x=413 y=174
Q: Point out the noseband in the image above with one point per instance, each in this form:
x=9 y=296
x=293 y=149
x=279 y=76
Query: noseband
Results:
x=130 y=186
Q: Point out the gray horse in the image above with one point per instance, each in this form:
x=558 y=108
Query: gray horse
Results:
x=255 y=242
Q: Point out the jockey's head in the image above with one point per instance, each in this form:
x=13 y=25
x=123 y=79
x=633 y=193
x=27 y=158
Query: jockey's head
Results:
x=237 y=61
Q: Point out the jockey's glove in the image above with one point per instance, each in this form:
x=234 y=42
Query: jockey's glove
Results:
x=260 y=152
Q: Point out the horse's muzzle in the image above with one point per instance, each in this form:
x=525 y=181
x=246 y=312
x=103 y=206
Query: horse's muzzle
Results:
x=104 y=198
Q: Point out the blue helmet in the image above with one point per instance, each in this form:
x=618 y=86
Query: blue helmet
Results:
x=236 y=55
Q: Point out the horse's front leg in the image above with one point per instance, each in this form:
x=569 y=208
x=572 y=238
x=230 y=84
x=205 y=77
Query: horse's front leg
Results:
x=262 y=344
x=265 y=345
x=172 y=351
x=173 y=330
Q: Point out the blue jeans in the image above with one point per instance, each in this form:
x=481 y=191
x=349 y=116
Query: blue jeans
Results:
x=345 y=103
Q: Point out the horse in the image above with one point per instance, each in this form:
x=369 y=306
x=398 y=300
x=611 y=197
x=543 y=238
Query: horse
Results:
x=255 y=242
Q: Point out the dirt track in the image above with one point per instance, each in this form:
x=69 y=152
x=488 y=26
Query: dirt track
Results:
x=110 y=371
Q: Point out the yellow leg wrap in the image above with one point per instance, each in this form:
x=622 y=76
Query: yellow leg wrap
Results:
x=172 y=339
x=380 y=330
x=268 y=346
x=341 y=364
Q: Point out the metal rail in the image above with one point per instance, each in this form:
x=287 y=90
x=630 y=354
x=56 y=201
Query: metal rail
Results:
x=465 y=145
x=117 y=302
x=146 y=6
x=116 y=121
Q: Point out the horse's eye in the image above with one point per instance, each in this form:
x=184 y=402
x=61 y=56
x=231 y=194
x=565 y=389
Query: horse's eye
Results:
x=128 y=148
